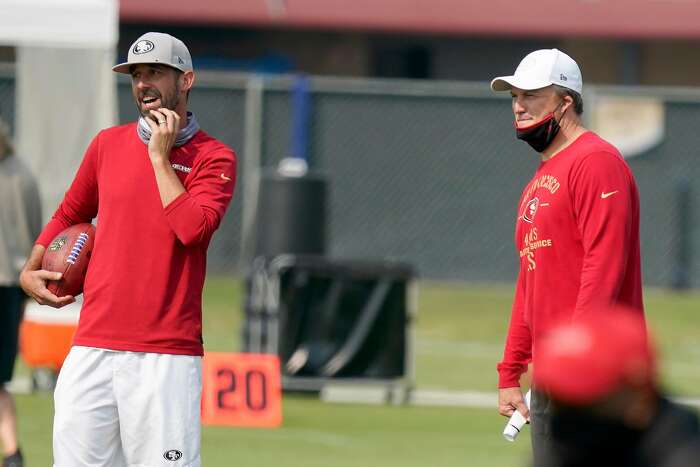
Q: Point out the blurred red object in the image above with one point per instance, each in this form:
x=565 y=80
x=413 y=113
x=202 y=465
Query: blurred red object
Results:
x=594 y=356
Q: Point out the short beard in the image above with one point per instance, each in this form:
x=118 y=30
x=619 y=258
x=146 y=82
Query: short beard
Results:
x=170 y=101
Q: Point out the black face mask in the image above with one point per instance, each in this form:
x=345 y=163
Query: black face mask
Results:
x=541 y=134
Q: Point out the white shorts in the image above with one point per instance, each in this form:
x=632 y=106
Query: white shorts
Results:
x=117 y=409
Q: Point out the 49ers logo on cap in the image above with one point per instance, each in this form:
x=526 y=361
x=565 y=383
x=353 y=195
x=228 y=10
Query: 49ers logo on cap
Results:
x=141 y=47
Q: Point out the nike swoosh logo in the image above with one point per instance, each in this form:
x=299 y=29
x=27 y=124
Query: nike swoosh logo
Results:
x=228 y=179
x=608 y=195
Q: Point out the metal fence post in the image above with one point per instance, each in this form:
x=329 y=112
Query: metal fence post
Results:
x=684 y=257
x=252 y=160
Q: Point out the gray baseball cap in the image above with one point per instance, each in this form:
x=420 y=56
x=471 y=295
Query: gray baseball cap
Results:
x=157 y=47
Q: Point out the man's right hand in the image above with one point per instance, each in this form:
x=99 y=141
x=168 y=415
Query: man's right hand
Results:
x=33 y=281
x=510 y=400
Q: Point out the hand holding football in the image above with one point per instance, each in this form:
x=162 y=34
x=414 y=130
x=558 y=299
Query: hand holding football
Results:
x=69 y=253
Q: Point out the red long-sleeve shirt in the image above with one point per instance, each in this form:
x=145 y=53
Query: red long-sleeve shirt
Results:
x=577 y=235
x=143 y=290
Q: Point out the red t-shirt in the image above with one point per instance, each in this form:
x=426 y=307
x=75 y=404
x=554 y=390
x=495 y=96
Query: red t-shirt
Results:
x=577 y=236
x=143 y=290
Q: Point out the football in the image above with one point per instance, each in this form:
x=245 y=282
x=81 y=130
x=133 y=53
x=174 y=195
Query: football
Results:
x=69 y=253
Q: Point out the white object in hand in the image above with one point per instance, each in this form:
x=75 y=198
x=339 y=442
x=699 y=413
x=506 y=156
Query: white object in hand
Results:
x=516 y=422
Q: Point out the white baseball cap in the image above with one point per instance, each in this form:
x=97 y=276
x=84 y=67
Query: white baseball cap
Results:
x=157 y=47
x=540 y=69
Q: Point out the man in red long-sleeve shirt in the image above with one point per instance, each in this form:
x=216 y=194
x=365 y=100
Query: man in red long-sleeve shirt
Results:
x=129 y=391
x=577 y=230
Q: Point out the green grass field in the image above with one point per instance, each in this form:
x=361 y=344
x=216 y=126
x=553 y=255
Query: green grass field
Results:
x=459 y=336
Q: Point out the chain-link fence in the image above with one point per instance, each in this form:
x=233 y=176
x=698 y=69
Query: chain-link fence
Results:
x=427 y=172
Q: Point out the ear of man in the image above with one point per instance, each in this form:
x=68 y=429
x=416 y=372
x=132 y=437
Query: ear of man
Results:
x=187 y=80
x=567 y=103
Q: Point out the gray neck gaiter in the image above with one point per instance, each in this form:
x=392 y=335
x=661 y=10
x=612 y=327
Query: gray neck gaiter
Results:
x=183 y=136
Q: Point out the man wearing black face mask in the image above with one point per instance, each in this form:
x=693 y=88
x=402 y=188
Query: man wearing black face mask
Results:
x=577 y=231
x=607 y=407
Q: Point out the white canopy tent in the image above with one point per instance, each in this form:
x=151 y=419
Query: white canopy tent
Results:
x=65 y=89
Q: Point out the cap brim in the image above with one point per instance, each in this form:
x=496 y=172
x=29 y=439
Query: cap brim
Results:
x=506 y=83
x=125 y=67
x=122 y=68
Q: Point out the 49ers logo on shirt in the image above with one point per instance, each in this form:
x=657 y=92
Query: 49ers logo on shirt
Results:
x=531 y=210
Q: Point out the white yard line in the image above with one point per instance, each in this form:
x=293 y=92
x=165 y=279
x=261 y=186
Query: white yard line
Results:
x=431 y=397
x=374 y=394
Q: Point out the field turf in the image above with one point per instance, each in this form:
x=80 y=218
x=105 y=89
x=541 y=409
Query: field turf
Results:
x=459 y=337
